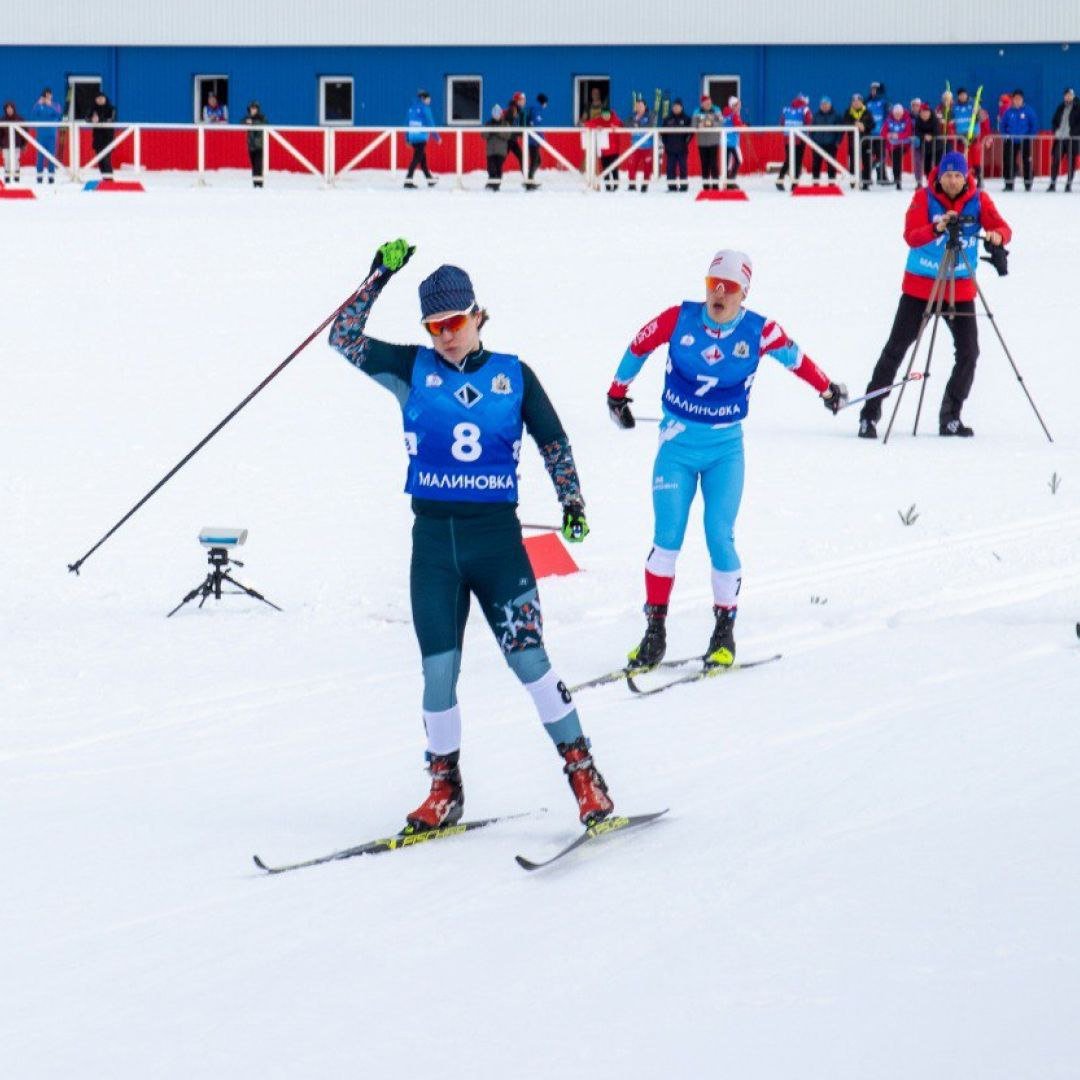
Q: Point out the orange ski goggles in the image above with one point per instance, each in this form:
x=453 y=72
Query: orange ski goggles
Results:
x=724 y=286
x=455 y=321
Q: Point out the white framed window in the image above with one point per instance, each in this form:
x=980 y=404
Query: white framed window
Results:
x=336 y=100
x=721 y=88
x=464 y=99
x=205 y=87
x=81 y=91
x=591 y=94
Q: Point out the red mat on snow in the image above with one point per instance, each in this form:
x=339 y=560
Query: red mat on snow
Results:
x=548 y=556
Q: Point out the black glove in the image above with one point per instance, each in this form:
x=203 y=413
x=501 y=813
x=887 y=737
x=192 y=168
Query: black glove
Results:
x=997 y=255
x=574 y=526
x=393 y=255
x=835 y=397
x=619 y=410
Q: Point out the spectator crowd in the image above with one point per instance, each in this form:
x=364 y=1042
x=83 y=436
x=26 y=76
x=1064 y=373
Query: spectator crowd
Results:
x=895 y=138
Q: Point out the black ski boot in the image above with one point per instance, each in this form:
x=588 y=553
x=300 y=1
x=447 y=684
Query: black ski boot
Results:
x=722 y=643
x=653 y=645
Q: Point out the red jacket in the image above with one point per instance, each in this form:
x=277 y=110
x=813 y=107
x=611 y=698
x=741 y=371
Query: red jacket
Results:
x=919 y=230
x=616 y=140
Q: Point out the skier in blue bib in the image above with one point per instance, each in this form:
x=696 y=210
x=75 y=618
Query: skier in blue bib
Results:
x=464 y=409
x=714 y=348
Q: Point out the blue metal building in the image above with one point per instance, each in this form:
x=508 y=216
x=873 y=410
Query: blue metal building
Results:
x=148 y=57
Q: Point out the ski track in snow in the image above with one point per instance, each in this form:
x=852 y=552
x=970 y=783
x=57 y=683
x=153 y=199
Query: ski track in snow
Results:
x=871 y=864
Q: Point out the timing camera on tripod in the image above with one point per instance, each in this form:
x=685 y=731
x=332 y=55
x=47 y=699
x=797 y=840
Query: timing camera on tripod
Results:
x=942 y=302
x=218 y=541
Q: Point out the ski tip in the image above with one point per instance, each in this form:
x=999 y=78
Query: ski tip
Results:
x=524 y=863
x=259 y=863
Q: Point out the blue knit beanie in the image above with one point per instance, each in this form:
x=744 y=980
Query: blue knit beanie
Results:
x=448 y=289
x=953 y=161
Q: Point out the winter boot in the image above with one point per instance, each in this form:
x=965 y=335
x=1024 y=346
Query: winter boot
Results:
x=955 y=427
x=867 y=429
x=653 y=645
x=445 y=802
x=594 y=803
x=722 y=643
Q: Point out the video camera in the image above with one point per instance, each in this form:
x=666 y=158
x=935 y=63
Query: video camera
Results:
x=953 y=227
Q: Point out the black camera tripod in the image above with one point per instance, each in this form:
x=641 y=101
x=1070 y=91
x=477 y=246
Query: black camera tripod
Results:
x=218 y=558
x=942 y=295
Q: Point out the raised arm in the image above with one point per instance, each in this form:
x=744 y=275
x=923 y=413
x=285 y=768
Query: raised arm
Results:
x=389 y=365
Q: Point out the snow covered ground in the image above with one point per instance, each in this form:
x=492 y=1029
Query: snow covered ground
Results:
x=870 y=867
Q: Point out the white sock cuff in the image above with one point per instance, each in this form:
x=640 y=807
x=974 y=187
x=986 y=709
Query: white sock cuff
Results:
x=551 y=698
x=443 y=730
x=661 y=561
x=725 y=587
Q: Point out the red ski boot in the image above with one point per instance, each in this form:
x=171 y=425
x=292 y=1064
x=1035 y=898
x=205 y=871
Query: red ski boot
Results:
x=445 y=802
x=586 y=782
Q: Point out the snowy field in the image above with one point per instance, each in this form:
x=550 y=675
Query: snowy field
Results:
x=870 y=865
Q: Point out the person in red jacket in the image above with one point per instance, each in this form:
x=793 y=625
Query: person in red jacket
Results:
x=608 y=144
x=950 y=195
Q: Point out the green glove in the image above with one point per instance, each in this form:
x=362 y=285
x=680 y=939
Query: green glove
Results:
x=574 y=526
x=393 y=255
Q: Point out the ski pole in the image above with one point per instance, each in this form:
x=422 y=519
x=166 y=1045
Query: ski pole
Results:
x=542 y=528
x=370 y=280
x=915 y=376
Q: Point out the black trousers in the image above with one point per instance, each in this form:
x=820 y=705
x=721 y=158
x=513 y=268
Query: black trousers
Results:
x=931 y=153
x=732 y=164
x=495 y=165
x=419 y=161
x=256 y=159
x=99 y=140
x=1009 y=165
x=817 y=161
x=710 y=163
x=786 y=167
x=866 y=154
x=611 y=181
x=675 y=167
x=897 y=164
x=1066 y=148
x=905 y=329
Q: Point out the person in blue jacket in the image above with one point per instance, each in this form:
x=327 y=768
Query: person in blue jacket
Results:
x=877 y=105
x=534 y=118
x=419 y=118
x=46 y=111
x=1019 y=125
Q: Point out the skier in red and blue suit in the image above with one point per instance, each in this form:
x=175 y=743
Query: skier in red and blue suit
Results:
x=714 y=348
